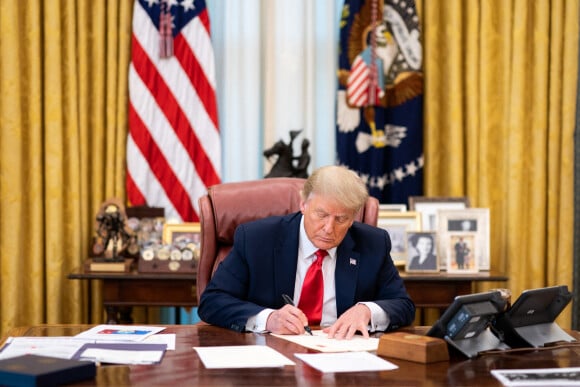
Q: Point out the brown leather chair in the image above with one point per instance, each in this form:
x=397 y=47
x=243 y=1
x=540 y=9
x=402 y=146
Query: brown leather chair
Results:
x=229 y=204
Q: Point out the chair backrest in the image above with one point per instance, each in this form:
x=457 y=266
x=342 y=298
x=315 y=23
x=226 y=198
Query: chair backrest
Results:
x=228 y=205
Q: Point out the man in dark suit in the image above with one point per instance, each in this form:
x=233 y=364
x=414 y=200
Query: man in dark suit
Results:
x=362 y=289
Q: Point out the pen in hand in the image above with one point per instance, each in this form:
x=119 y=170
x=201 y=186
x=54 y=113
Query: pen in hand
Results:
x=289 y=301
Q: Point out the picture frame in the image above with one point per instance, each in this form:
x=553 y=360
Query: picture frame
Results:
x=178 y=252
x=175 y=233
x=393 y=207
x=397 y=224
x=182 y=237
x=461 y=256
x=429 y=205
x=456 y=222
x=422 y=244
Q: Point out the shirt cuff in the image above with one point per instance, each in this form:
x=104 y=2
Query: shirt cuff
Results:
x=379 y=319
x=257 y=323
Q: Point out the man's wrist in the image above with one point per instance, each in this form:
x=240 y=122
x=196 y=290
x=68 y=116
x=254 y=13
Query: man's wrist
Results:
x=258 y=323
x=379 y=321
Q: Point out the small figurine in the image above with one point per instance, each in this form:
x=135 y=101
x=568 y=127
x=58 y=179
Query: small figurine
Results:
x=303 y=160
x=284 y=165
x=114 y=237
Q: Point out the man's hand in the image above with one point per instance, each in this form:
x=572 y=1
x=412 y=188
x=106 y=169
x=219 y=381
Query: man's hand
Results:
x=289 y=320
x=355 y=319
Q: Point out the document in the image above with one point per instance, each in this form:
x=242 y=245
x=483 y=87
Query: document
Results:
x=60 y=347
x=319 y=341
x=539 y=377
x=121 y=353
x=241 y=356
x=68 y=347
x=346 y=362
x=119 y=332
x=162 y=338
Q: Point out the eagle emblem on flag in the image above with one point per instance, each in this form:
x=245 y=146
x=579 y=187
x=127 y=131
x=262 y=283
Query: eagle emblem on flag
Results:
x=379 y=96
x=398 y=58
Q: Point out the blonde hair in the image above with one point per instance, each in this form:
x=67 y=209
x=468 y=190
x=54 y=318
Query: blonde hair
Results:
x=338 y=182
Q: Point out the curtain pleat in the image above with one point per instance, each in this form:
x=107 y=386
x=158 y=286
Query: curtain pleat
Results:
x=22 y=279
x=499 y=127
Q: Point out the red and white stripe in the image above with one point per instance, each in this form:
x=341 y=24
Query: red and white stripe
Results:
x=173 y=147
x=359 y=84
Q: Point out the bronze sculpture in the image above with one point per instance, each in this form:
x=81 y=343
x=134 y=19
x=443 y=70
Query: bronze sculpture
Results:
x=285 y=165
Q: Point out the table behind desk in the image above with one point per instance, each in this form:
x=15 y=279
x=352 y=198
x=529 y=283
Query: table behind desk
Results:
x=184 y=367
x=438 y=290
x=122 y=291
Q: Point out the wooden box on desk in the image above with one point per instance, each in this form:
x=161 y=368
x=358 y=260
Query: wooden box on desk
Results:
x=412 y=347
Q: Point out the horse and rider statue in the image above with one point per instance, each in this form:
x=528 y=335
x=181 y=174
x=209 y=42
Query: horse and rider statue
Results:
x=286 y=164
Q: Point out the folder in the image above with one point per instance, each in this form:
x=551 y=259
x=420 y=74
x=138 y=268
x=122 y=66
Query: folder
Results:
x=43 y=371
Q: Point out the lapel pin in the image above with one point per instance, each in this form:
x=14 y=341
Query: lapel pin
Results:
x=352 y=261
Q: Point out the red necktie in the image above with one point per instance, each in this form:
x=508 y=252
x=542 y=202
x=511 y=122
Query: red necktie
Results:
x=313 y=290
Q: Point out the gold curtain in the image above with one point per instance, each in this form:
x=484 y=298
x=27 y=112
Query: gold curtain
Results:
x=63 y=117
x=500 y=103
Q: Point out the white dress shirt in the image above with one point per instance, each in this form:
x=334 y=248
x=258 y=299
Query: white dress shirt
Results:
x=379 y=319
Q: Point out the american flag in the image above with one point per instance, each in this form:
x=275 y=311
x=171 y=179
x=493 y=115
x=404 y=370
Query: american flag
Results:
x=360 y=83
x=173 y=147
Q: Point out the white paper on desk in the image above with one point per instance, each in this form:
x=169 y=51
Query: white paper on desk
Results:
x=346 y=362
x=125 y=355
x=162 y=338
x=241 y=356
x=113 y=333
x=62 y=347
x=319 y=341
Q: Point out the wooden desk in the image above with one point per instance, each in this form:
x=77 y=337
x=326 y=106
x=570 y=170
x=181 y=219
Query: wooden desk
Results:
x=122 y=291
x=437 y=290
x=184 y=367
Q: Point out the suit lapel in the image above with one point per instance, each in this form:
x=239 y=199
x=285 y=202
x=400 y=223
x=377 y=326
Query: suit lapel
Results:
x=346 y=274
x=286 y=253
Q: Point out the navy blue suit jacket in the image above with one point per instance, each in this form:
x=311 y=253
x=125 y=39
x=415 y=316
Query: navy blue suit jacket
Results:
x=262 y=266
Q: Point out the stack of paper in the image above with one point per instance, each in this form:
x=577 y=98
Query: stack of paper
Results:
x=115 y=344
x=116 y=333
x=349 y=355
x=241 y=356
x=346 y=362
x=319 y=341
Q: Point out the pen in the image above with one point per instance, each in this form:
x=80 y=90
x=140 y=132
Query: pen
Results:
x=289 y=301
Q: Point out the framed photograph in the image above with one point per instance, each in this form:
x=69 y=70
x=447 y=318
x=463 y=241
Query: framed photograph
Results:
x=461 y=253
x=470 y=221
x=428 y=206
x=397 y=225
x=422 y=252
x=393 y=207
x=174 y=233
x=183 y=237
x=178 y=251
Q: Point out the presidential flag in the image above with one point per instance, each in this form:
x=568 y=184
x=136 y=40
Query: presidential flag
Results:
x=173 y=146
x=379 y=131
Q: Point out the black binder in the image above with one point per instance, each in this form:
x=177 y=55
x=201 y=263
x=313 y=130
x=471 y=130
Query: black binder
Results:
x=43 y=371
